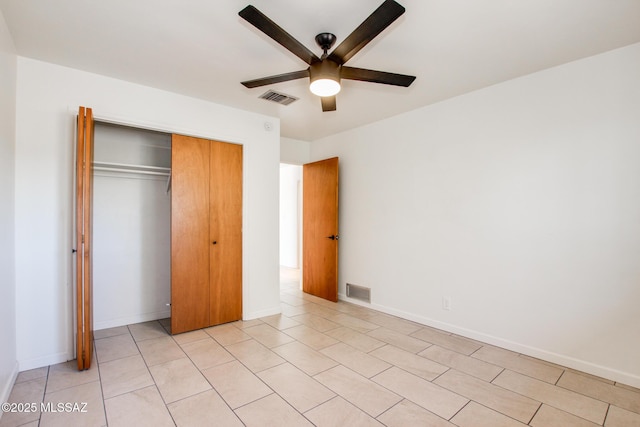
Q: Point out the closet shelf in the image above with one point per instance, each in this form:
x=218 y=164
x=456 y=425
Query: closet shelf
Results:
x=128 y=168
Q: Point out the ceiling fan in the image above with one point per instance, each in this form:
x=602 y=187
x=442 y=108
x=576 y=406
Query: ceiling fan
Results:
x=326 y=72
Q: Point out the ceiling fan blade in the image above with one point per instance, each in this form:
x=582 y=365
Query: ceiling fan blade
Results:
x=328 y=103
x=273 y=30
x=380 y=19
x=351 y=73
x=276 y=79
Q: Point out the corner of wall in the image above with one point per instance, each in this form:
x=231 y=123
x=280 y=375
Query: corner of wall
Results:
x=5 y=391
x=8 y=72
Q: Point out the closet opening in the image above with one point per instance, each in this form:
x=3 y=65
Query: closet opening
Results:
x=131 y=225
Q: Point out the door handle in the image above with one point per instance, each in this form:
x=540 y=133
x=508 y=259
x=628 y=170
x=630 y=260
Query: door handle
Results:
x=333 y=237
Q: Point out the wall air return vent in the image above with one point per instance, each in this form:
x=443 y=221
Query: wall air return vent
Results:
x=359 y=292
x=277 y=97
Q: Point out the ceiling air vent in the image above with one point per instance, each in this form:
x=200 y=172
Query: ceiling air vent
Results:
x=280 y=98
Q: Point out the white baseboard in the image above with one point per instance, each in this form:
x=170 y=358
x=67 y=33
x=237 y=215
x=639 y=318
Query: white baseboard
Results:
x=549 y=356
x=262 y=313
x=5 y=389
x=130 y=320
x=39 y=362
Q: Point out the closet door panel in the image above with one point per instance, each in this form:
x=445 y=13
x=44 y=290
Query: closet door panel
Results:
x=226 y=232
x=189 y=233
x=84 y=236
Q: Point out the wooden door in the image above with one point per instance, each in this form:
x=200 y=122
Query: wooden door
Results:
x=226 y=233
x=206 y=233
x=320 y=229
x=84 y=314
x=190 y=158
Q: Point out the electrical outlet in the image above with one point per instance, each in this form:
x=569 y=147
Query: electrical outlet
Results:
x=446 y=303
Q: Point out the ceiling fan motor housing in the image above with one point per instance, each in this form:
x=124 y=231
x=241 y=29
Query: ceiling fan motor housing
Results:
x=325 y=69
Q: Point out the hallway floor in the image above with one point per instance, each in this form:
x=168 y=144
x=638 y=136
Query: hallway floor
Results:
x=319 y=363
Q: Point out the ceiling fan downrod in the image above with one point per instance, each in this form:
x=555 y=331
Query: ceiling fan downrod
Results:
x=326 y=42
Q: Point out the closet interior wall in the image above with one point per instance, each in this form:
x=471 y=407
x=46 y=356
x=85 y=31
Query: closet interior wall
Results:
x=131 y=225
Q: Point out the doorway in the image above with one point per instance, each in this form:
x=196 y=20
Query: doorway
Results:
x=290 y=225
x=309 y=227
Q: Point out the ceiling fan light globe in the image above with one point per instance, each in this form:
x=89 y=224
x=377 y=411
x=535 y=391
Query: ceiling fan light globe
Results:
x=324 y=87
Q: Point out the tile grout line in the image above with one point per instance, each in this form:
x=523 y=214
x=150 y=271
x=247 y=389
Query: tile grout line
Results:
x=253 y=373
x=535 y=413
x=595 y=398
x=464 y=406
x=393 y=406
x=552 y=405
x=44 y=393
x=104 y=401
x=606 y=414
x=166 y=405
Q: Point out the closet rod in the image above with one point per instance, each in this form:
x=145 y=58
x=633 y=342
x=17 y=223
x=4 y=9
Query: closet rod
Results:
x=140 y=172
x=128 y=168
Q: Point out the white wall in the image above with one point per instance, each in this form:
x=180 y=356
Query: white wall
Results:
x=290 y=215
x=8 y=365
x=47 y=100
x=520 y=202
x=131 y=228
x=295 y=151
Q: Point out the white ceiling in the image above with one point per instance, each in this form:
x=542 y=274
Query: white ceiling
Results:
x=202 y=48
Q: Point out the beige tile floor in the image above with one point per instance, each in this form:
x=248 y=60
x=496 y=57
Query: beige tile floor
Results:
x=318 y=363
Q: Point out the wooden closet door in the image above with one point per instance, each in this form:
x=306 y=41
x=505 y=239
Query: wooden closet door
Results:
x=84 y=275
x=226 y=233
x=190 y=242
